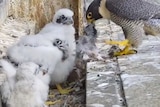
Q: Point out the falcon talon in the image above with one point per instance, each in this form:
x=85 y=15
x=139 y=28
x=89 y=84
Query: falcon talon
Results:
x=52 y=102
x=125 y=52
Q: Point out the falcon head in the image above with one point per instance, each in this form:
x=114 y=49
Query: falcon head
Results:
x=64 y=16
x=92 y=12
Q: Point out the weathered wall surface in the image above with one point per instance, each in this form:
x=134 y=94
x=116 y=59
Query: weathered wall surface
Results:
x=4 y=7
x=42 y=11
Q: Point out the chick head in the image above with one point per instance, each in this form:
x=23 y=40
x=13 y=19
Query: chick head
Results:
x=64 y=16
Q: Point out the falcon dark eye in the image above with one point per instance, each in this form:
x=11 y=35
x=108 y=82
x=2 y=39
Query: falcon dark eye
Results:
x=89 y=15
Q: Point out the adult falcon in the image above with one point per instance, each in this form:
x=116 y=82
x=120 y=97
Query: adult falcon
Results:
x=129 y=14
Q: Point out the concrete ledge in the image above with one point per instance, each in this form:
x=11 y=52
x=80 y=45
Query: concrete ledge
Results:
x=142 y=74
x=101 y=86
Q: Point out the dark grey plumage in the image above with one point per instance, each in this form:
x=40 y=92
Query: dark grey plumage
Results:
x=86 y=43
x=134 y=9
x=152 y=27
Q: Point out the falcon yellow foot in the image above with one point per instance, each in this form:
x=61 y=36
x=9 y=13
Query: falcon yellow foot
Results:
x=63 y=91
x=119 y=43
x=127 y=49
x=52 y=102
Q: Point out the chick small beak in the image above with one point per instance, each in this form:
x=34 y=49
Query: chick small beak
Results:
x=68 y=21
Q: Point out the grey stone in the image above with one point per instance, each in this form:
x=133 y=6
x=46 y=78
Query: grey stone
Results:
x=1 y=1
x=101 y=86
x=141 y=77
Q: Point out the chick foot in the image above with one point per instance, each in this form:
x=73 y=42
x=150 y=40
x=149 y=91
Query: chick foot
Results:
x=63 y=91
x=52 y=102
x=127 y=49
x=51 y=96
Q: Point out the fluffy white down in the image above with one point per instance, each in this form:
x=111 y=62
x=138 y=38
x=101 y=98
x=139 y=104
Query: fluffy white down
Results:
x=29 y=90
x=48 y=56
x=35 y=40
x=43 y=77
x=42 y=55
x=67 y=33
x=7 y=87
x=64 y=11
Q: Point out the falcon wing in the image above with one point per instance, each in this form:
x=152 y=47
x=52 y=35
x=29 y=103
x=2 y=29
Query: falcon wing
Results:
x=133 y=9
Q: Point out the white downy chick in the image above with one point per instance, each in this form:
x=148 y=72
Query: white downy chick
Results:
x=8 y=86
x=62 y=24
x=47 y=56
x=52 y=31
x=61 y=28
x=43 y=75
x=29 y=90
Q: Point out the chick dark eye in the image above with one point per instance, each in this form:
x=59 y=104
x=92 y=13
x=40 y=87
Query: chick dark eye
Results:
x=59 y=41
x=63 y=17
